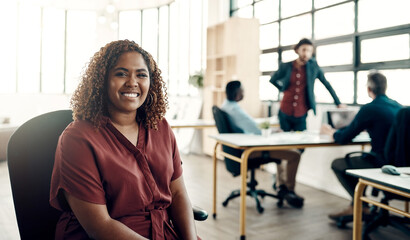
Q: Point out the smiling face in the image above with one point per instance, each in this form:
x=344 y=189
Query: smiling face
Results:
x=128 y=84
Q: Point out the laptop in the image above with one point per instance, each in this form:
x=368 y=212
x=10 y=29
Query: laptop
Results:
x=340 y=118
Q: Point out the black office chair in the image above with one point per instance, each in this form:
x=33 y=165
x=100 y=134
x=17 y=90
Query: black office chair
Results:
x=397 y=152
x=30 y=159
x=224 y=125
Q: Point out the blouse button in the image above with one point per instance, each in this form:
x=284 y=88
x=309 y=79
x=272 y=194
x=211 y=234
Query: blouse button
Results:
x=298 y=75
x=295 y=104
x=296 y=97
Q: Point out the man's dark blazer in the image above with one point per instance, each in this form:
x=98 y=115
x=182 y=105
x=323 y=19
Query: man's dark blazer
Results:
x=281 y=80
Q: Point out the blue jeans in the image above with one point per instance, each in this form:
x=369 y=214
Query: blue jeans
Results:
x=291 y=123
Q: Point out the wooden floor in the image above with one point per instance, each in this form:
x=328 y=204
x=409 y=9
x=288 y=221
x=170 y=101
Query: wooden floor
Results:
x=288 y=223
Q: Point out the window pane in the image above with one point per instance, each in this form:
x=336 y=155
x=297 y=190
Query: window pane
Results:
x=246 y=12
x=268 y=62
x=81 y=44
x=163 y=42
x=129 y=26
x=150 y=31
x=52 y=66
x=241 y=3
x=267 y=11
x=397 y=86
x=269 y=36
x=342 y=83
x=293 y=7
x=385 y=49
x=374 y=14
x=295 y=29
x=29 y=50
x=335 y=54
x=341 y=16
x=324 y=3
x=289 y=55
x=8 y=24
x=266 y=89
x=173 y=51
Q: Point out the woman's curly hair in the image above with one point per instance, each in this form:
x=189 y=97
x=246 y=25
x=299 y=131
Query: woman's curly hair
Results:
x=90 y=99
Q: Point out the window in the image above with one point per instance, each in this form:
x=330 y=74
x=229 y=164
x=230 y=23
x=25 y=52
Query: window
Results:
x=79 y=49
x=268 y=62
x=341 y=82
x=324 y=3
x=266 y=89
x=335 y=21
x=267 y=11
x=246 y=12
x=269 y=36
x=396 y=88
x=130 y=25
x=150 y=31
x=376 y=14
x=52 y=54
x=301 y=28
x=348 y=42
x=335 y=54
x=163 y=41
x=8 y=46
x=385 y=49
x=28 y=55
x=293 y=7
x=289 y=55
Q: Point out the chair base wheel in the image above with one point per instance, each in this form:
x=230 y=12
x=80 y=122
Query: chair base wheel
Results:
x=214 y=215
x=225 y=203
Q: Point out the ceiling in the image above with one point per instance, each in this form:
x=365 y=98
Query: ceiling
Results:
x=97 y=4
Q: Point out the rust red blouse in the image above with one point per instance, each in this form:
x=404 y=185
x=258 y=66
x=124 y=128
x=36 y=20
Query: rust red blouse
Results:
x=294 y=98
x=103 y=167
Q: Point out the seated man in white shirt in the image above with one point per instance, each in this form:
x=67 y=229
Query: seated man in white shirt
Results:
x=286 y=174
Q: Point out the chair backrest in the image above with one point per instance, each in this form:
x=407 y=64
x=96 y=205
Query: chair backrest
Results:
x=30 y=157
x=223 y=125
x=397 y=149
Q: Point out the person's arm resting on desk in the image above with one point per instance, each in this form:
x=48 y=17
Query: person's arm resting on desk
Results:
x=96 y=221
x=181 y=210
x=346 y=134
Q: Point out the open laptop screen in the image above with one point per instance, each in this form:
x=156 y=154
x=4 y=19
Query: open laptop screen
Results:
x=339 y=118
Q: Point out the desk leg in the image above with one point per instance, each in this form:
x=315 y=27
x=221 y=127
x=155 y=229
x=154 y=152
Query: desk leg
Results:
x=357 y=210
x=242 y=213
x=214 y=180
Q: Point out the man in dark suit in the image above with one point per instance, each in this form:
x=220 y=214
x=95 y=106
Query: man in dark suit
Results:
x=376 y=118
x=296 y=80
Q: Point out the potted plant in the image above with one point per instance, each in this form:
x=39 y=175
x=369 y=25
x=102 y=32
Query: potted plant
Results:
x=265 y=128
x=197 y=79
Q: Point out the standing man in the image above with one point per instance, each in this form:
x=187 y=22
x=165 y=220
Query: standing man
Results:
x=376 y=118
x=286 y=170
x=296 y=80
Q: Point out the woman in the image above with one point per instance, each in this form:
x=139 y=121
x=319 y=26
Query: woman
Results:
x=117 y=171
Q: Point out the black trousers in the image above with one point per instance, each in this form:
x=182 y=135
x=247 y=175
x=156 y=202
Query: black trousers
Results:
x=340 y=165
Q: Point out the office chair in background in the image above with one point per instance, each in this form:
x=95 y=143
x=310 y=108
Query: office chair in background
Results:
x=30 y=159
x=224 y=126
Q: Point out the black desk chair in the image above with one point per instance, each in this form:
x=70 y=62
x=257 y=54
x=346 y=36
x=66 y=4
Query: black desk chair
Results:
x=224 y=126
x=30 y=157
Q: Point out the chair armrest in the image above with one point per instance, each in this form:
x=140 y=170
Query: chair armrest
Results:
x=359 y=153
x=199 y=214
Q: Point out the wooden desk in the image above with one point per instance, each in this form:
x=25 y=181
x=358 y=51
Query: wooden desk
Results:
x=374 y=177
x=210 y=123
x=277 y=141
